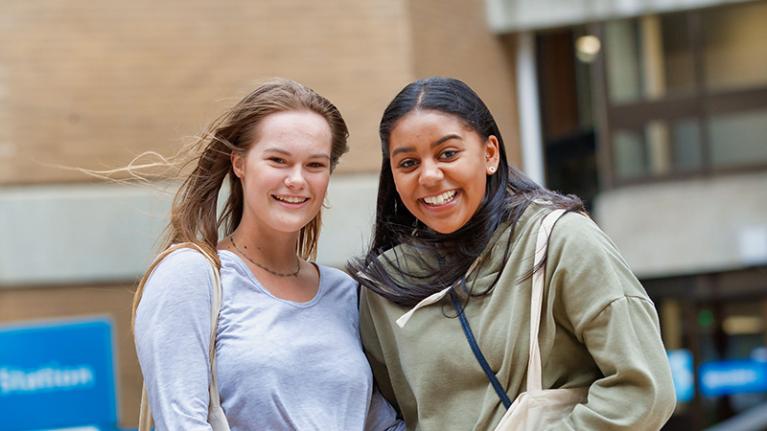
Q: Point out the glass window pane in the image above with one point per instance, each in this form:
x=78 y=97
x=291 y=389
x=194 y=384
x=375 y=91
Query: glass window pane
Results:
x=659 y=149
x=629 y=154
x=622 y=50
x=678 y=63
x=738 y=139
x=734 y=46
x=648 y=58
x=686 y=149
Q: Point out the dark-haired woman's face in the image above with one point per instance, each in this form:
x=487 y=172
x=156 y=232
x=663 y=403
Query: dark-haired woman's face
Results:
x=440 y=168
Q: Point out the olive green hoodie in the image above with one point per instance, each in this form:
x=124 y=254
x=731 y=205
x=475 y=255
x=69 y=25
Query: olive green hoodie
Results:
x=598 y=329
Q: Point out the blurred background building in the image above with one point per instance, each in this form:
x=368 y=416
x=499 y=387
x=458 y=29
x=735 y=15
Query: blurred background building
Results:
x=654 y=112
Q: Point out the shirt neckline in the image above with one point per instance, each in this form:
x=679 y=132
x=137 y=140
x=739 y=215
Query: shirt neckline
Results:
x=237 y=260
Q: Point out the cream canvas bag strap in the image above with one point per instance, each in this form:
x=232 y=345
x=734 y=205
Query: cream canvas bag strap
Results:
x=538 y=408
x=216 y=417
x=534 y=373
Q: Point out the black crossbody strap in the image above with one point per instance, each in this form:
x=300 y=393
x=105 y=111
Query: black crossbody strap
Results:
x=478 y=353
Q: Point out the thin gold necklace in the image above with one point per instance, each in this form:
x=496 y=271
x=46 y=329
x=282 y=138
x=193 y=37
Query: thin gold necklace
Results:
x=265 y=268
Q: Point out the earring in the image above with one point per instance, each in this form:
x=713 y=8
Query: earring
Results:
x=491 y=170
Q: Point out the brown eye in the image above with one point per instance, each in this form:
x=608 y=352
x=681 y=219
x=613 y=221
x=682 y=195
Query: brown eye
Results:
x=448 y=154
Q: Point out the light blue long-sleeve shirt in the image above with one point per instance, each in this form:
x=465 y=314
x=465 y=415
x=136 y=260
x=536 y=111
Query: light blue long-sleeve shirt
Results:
x=281 y=365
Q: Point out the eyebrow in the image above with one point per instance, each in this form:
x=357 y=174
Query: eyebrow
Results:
x=433 y=144
x=287 y=153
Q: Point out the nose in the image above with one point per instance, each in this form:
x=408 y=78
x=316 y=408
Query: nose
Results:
x=295 y=178
x=430 y=175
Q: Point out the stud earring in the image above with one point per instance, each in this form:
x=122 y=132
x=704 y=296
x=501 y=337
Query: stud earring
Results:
x=491 y=170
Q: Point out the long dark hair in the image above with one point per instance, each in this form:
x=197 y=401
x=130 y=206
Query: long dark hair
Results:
x=442 y=259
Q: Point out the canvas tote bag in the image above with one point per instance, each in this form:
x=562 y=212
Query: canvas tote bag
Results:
x=216 y=417
x=537 y=408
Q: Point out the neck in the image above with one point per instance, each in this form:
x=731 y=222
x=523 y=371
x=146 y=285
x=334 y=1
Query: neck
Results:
x=270 y=247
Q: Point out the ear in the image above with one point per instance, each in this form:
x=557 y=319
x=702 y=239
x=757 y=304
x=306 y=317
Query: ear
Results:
x=492 y=154
x=238 y=163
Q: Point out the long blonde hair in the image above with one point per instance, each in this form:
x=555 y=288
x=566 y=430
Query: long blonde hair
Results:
x=194 y=215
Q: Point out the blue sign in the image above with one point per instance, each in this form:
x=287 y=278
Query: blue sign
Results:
x=682 y=374
x=57 y=375
x=733 y=377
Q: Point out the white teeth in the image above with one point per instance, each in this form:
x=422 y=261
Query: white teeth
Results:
x=440 y=199
x=291 y=199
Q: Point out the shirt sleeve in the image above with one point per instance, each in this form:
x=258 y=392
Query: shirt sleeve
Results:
x=610 y=314
x=381 y=415
x=172 y=333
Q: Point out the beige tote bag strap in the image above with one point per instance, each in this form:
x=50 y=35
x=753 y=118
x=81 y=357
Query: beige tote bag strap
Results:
x=534 y=372
x=145 y=415
x=214 y=404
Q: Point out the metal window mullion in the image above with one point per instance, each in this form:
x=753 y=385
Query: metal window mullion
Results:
x=695 y=34
x=600 y=96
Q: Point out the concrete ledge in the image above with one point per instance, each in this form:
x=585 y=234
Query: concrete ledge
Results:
x=105 y=233
x=691 y=226
x=506 y=16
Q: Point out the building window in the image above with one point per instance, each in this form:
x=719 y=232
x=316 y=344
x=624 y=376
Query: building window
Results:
x=683 y=94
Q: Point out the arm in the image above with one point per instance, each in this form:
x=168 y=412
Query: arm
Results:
x=636 y=392
x=610 y=314
x=381 y=415
x=373 y=349
x=172 y=338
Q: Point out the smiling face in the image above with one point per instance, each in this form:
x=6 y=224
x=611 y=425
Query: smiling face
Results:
x=286 y=170
x=440 y=168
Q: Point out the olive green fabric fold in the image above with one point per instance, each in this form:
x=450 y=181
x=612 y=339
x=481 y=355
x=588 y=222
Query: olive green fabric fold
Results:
x=598 y=329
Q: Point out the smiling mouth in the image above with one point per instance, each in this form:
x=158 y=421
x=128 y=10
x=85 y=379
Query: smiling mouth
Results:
x=291 y=199
x=440 y=199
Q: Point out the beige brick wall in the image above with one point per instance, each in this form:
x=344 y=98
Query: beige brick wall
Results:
x=92 y=84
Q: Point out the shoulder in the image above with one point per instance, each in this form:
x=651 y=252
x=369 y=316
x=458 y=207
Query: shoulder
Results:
x=182 y=271
x=186 y=258
x=339 y=286
x=578 y=236
x=570 y=224
x=586 y=268
x=336 y=278
x=577 y=225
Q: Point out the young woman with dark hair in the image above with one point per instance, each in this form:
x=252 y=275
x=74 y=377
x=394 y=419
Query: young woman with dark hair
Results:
x=286 y=344
x=454 y=220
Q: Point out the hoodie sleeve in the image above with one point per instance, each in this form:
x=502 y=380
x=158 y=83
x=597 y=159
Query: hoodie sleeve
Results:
x=609 y=312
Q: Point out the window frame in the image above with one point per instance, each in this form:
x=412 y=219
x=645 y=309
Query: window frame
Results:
x=699 y=105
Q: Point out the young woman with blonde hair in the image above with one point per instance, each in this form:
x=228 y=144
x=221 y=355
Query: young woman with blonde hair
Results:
x=286 y=345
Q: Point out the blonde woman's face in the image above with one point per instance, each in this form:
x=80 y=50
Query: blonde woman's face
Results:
x=286 y=170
